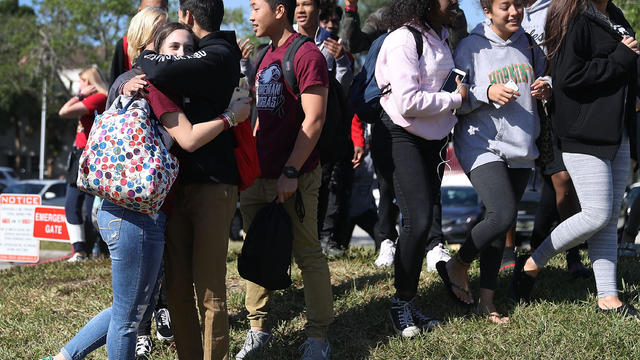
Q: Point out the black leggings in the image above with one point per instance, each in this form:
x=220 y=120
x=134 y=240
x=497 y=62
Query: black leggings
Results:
x=385 y=228
x=383 y=166
x=416 y=185
x=500 y=189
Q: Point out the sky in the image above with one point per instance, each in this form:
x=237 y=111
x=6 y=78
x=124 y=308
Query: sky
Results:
x=471 y=9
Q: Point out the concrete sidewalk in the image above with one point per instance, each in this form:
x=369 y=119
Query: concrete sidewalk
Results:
x=45 y=256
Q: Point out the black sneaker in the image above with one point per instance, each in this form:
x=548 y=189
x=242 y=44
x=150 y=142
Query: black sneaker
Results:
x=163 y=325
x=508 y=259
x=402 y=318
x=144 y=345
x=424 y=322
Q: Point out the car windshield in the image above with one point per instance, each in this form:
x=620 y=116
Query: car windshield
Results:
x=23 y=189
x=459 y=196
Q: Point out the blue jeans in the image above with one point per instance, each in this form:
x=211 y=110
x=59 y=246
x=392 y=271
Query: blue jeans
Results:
x=136 y=243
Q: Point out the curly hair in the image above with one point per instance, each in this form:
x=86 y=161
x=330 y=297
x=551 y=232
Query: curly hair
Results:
x=401 y=12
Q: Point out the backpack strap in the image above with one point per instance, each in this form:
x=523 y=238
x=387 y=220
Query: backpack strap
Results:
x=259 y=56
x=417 y=36
x=531 y=46
x=288 y=63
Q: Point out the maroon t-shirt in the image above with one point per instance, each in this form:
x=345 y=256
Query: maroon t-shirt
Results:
x=161 y=104
x=277 y=105
x=94 y=102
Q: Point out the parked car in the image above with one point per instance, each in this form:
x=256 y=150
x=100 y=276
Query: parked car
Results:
x=7 y=176
x=528 y=206
x=52 y=192
x=461 y=207
x=630 y=195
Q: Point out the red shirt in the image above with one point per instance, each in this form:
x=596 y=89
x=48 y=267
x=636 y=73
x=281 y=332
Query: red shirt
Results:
x=161 y=104
x=94 y=102
x=279 y=122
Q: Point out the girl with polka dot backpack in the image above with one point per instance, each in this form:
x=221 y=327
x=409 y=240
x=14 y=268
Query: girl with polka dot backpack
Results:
x=125 y=159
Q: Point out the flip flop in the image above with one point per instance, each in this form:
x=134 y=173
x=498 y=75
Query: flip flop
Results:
x=501 y=320
x=441 y=266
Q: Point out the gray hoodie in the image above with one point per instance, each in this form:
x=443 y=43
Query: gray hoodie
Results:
x=534 y=18
x=485 y=133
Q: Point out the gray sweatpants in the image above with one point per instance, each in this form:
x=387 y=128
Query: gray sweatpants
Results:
x=599 y=184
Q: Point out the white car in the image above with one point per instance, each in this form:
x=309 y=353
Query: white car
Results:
x=52 y=192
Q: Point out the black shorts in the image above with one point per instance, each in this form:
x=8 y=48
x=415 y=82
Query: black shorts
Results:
x=556 y=165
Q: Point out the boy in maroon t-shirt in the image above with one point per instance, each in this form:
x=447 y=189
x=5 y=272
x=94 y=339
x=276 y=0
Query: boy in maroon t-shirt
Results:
x=289 y=161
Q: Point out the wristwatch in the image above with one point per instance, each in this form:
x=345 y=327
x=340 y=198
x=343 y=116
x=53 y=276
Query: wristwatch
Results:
x=290 y=172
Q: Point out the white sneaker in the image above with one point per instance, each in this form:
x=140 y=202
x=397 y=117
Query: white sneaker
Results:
x=78 y=256
x=435 y=255
x=387 y=253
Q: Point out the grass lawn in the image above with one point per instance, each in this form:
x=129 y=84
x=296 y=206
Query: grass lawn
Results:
x=42 y=307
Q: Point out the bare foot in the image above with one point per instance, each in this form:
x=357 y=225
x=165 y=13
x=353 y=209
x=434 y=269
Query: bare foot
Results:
x=457 y=272
x=487 y=308
x=530 y=268
x=609 y=302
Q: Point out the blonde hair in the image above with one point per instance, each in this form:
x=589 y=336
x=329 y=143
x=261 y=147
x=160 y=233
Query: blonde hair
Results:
x=141 y=30
x=93 y=75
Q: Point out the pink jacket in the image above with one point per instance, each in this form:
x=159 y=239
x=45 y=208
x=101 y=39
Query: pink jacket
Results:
x=415 y=102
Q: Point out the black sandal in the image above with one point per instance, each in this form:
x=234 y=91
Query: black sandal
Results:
x=521 y=282
x=441 y=266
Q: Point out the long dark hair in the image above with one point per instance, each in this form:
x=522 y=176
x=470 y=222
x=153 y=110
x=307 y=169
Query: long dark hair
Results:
x=401 y=12
x=561 y=13
x=163 y=31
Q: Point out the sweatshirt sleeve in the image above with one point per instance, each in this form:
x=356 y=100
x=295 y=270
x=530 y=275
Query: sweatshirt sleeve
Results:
x=575 y=68
x=344 y=72
x=464 y=60
x=402 y=73
x=357 y=40
x=178 y=72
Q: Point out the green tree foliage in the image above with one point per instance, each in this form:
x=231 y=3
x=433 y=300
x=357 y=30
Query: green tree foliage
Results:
x=238 y=19
x=18 y=41
x=631 y=10
x=82 y=31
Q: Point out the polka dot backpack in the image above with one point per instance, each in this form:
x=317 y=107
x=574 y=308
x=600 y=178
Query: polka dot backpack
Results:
x=125 y=160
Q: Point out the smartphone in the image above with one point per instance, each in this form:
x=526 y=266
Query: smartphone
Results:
x=511 y=85
x=333 y=36
x=239 y=92
x=450 y=85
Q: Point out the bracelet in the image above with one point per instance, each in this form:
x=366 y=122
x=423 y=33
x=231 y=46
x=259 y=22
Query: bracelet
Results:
x=80 y=96
x=232 y=116
x=226 y=119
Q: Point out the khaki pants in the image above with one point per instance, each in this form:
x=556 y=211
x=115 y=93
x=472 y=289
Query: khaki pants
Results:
x=197 y=239
x=306 y=251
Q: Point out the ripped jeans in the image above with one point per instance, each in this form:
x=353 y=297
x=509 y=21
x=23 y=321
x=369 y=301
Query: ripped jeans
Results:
x=136 y=243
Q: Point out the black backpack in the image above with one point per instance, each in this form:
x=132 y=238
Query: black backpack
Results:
x=364 y=95
x=335 y=140
x=266 y=252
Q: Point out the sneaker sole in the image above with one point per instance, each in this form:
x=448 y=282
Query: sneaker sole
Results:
x=164 y=339
x=409 y=332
